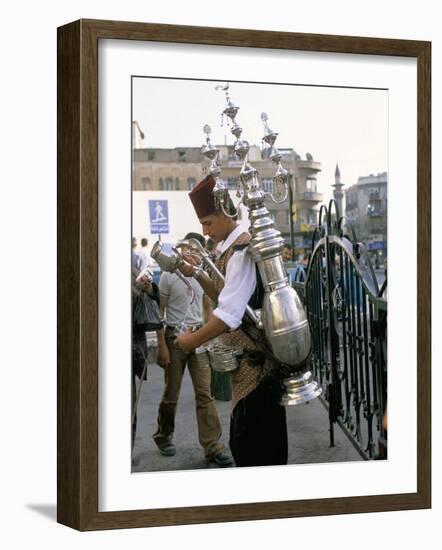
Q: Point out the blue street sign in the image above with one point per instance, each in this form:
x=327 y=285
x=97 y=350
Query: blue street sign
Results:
x=159 y=217
x=377 y=245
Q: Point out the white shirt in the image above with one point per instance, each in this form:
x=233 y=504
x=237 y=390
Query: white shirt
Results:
x=144 y=258
x=136 y=260
x=178 y=296
x=239 y=285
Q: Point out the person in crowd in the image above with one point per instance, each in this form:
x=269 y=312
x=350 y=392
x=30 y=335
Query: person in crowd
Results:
x=136 y=260
x=145 y=258
x=258 y=430
x=177 y=310
x=287 y=253
x=142 y=288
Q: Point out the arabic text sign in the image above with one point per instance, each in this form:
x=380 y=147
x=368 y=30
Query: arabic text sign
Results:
x=159 y=216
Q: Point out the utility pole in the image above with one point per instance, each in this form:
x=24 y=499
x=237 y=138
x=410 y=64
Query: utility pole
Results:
x=292 y=236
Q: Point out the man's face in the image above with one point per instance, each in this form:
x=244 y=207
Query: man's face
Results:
x=286 y=254
x=216 y=226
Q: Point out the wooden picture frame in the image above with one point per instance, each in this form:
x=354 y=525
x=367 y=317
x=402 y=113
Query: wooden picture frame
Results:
x=77 y=226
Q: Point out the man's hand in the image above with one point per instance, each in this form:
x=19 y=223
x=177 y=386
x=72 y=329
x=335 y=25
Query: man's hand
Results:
x=191 y=340
x=188 y=267
x=146 y=285
x=191 y=259
x=163 y=355
x=186 y=341
x=144 y=282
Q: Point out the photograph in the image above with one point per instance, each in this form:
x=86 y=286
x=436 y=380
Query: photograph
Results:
x=230 y=215
x=247 y=349
x=258 y=273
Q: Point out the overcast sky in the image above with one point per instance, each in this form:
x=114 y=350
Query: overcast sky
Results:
x=336 y=125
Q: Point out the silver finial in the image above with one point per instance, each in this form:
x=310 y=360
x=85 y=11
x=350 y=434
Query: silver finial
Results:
x=269 y=135
x=211 y=152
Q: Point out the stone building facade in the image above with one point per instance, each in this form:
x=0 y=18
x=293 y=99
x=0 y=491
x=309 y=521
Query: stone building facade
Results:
x=181 y=168
x=366 y=209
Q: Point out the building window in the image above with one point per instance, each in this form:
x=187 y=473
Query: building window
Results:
x=310 y=185
x=177 y=184
x=311 y=218
x=232 y=183
x=150 y=155
x=191 y=182
x=145 y=184
x=166 y=184
x=181 y=156
x=374 y=209
x=267 y=185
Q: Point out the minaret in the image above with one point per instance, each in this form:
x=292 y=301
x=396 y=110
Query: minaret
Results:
x=338 y=193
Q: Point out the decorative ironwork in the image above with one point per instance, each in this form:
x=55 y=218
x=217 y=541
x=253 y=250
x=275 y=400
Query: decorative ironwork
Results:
x=347 y=313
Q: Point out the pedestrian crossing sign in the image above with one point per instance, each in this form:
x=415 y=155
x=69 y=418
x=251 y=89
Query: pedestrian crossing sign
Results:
x=159 y=216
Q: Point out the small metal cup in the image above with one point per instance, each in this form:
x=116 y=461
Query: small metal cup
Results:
x=223 y=359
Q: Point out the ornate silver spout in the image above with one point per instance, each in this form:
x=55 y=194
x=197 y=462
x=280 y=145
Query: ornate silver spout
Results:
x=170 y=259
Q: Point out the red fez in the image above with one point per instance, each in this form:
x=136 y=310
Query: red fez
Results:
x=202 y=197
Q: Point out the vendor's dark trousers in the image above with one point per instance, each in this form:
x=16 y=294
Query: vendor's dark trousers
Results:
x=258 y=429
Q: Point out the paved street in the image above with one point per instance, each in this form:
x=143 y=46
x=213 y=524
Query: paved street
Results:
x=307 y=429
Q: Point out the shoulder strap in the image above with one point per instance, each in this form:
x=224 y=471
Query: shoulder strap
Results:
x=257 y=297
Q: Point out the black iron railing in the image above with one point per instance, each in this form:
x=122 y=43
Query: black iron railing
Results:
x=348 y=320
